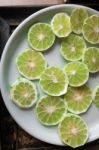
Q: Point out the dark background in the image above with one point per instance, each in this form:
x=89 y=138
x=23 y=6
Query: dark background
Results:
x=12 y=137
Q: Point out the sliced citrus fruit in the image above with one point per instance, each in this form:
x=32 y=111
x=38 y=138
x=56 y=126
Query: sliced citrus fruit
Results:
x=73 y=131
x=51 y=110
x=77 y=19
x=78 y=99
x=23 y=93
x=61 y=25
x=91 y=29
x=77 y=72
x=73 y=47
x=91 y=59
x=54 y=81
x=31 y=64
x=96 y=96
x=41 y=36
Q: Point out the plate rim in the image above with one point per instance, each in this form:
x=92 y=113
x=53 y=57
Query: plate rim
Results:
x=3 y=56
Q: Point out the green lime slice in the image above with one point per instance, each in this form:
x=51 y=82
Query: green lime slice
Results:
x=73 y=47
x=78 y=99
x=91 y=29
x=23 y=93
x=61 y=25
x=31 y=64
x=77 y=72
x=96 y=96
x=77 y=19
x=91 y=59
x=51 y=110
x=40 y=36
x=73 y=131
x=54 y=81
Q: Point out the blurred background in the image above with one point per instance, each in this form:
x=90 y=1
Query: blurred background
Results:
x=12 y=12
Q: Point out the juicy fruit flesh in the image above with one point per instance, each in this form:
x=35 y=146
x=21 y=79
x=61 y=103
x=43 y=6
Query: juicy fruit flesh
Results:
x=78 y=99
x=73 y=47
x=53 y=81
x=31 y=64
x=77 y=73
x=96 y=97
x=73 y=131
x=61 y=24
x=77 y=19
x=50 y=110
x=41 y=37
x=91 y=29
x=91 y=59
x=23 y=93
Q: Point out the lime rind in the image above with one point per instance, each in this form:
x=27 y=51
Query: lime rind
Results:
x=85 y=128
x=77 y=19
x=41 y=64
x=95 y=96
x=93 y=59
x=50 y=87
x=69 y=72
x=91 y=29
x=13 y=88
x=41 y=40
x=73 y=47
x=74 y=105
x=52 y=100
x=61 y=25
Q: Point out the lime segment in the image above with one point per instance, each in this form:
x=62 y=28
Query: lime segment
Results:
x=61 y=25
x=77 y=19
x=31 y=64
x=41 y=37
x=91 y=29
x=50 y=110
x=91 y=59
x=54 y=81
x=77 y=72
x=23 y=93
x=96 y=96
x=73 y=131
x=73 y=47
x=78 y=99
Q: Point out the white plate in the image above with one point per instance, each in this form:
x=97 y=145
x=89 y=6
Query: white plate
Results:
x=18 y=43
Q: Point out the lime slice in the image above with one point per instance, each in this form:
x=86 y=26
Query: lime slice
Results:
x=96 y=96
x=73 y=47
x=54 y=81
x=91 y=59
x=23 y=93
x=40 y=36
x=91 y=29
x=77 y=19
x=78 y=99
x=77 y=72
x=50 y=110
x=61 y=25
x=31 y=64
x=73 y=131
